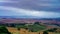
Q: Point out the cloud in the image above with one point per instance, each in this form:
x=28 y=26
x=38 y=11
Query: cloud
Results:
x=8 y=1
x=40 y=5
x=26 y=13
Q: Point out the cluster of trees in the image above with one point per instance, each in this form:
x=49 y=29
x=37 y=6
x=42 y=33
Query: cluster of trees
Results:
x=50 y=30
x=3 y=30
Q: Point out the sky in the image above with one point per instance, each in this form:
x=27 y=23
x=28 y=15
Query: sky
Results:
x=30 y=8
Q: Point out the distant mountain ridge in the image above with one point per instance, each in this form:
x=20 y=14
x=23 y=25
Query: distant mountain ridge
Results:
x=13 y=17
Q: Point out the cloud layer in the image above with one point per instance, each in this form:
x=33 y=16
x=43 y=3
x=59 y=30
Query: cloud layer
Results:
x=30 y=8
x=46 y=5
x=11 y=11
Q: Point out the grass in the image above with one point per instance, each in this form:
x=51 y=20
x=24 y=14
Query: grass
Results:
x=34 y=28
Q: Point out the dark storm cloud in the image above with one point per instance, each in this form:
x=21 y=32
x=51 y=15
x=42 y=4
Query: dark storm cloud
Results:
x=40 y=5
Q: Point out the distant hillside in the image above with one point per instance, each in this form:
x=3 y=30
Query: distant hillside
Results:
x=15 y=19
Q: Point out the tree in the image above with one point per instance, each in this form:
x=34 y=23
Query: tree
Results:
x=37 y=23
x=26 y=28
x=45 y=32
x=3 y=30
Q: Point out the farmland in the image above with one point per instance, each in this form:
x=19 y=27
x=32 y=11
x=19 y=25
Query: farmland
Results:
x=36 y=28
x=24 y=31
x=30 y=26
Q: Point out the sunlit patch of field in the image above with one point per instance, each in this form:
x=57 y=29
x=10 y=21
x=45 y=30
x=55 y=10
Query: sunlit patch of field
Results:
x=21 y=31
x=13 y=30
x=24 y=31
